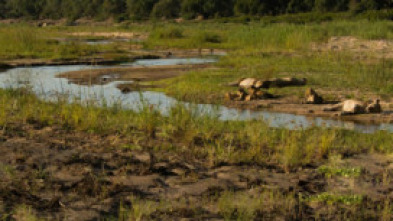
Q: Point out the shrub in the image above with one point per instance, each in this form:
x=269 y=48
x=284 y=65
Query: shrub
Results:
x=169 y=33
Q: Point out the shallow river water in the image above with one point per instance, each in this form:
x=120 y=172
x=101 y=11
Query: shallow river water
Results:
x=44 y=83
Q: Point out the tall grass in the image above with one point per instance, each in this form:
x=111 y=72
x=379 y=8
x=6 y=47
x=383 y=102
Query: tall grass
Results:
x=24 y=41
x=206 y=136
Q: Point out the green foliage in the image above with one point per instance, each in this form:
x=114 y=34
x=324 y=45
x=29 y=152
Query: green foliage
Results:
x=345 y=172
x=138 y=9
x=169 y=33
x=333 y=199
x=208 y=37
x=142 y=9
x=166 y=9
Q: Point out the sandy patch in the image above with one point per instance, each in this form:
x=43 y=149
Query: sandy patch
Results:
x=123 y=35
x=377 y=48
x=106 y=75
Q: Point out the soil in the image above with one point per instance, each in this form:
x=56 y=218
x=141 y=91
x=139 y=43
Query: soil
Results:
x=106 y=75
x=29 y=62
x=130 y=87
x=284 y=104
x=71 y=175
x=369 y=48
x=120 y=35
x=294 y=105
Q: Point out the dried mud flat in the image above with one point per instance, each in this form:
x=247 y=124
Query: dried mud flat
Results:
x=294 y=105
x=68 y=175
x=363 y=48
x=106 y=75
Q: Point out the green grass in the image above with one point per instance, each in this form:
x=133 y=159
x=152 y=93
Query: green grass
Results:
x=274 y=50
x=345 y=172
x=206 y=136
x=256 y=49
x=26 y=41
x=334 y=198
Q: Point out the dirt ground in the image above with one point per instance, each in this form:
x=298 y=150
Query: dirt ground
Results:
x=106 y=75
x=379 y=48
x=295 y=105
x=285 y=104
x=68 y=175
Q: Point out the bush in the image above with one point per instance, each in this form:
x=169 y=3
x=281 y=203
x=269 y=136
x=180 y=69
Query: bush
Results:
x=169 y=33
x=166 y=9
x=208 y=37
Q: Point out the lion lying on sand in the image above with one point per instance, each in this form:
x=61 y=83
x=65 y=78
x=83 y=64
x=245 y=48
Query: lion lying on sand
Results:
x=350 y=107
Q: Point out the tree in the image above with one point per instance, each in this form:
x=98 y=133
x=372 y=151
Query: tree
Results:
x=191 y=8
x=295 y=6
x=71 y=9
x=24 y=8
x=217 y=8
x=261 y=7
x=51 y=9
x=166 y=9
x=139 y=9
x=2 y=9
x=331 y=5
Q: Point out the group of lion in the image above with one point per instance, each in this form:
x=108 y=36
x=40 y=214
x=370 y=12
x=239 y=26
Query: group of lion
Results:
x=251 y=89
x=346 y=107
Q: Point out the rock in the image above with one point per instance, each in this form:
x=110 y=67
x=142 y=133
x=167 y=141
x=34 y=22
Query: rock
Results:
x=126 y=90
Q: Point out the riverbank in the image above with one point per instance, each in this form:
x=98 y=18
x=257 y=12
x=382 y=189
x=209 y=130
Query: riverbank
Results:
x=67 y=160
x=64 y=156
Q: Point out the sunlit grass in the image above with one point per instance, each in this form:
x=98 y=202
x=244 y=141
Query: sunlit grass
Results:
x=235 y=142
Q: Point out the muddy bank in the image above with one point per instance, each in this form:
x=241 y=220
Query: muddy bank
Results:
x=368 y=48
x=65 y=174
x=29 y=62
x=106 y=75
x=115 y=35
x=130 y=87
x=294 y=105
x=135 y=53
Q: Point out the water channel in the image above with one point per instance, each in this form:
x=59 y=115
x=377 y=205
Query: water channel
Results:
x=43 y=82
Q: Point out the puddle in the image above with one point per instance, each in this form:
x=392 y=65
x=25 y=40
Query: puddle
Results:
x=170 y=61
x=44 y=83
x=97 y=41
x=110 y=41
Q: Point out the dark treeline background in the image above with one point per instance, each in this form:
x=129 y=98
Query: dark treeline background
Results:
x=188 y=9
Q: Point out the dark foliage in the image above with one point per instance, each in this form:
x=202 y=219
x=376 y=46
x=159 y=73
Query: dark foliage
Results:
x=144 y=9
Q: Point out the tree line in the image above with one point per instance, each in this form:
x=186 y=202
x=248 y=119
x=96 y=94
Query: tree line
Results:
x=188 y=9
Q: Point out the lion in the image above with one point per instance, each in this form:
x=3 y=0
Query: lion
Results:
x=350 y=107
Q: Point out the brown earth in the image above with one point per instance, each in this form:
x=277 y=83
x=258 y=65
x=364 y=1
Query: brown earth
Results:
x=130 y=87
x=285 y=104
x=69 y=175
x=121 y=35
x=153 y=73
x=294 y=105
x=54 y=62
x=360 y=47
